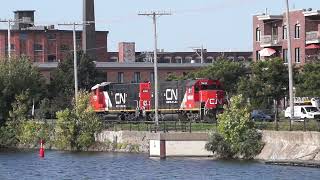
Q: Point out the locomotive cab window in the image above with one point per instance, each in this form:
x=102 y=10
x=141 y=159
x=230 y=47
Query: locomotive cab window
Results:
x=196 y=88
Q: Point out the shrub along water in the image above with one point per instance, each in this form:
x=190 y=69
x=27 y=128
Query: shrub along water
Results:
x=236 y=136
x=75 y=128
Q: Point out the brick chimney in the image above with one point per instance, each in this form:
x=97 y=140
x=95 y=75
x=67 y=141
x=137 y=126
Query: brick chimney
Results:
x=89 y=31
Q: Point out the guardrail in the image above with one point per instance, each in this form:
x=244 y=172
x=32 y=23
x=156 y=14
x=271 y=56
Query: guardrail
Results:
x=290 y=125
x=165 y=126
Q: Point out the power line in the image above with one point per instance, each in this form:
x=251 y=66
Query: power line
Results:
x=154 y=16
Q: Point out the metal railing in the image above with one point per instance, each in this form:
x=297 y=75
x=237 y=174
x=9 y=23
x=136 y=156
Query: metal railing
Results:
x=290 y=125
x=271 y=40
x=164 y=126
x=312 y=35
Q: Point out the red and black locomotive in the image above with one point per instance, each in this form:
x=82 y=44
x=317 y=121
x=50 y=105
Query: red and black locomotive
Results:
x=190 y=99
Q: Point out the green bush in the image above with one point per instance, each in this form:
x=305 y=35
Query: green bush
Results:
x=8 y=136
x=31 y=132
x=75 y=128
x=236 y=136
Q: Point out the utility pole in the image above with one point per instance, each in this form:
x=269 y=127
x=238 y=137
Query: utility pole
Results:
x=9 y=36
x=201 y=52
x=75 y=55
x=154 y=16
x=289 y=62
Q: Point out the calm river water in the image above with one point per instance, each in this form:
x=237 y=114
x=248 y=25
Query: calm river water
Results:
x=66 y=165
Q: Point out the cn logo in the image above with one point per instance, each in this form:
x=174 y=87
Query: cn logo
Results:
x=120 y=98
x=171 y=96
x=215 y=101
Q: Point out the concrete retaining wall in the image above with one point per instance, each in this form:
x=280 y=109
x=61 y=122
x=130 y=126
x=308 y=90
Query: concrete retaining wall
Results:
x=287 y=145
x=279 y=145
x=138 y=139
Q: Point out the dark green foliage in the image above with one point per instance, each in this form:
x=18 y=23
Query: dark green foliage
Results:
x=308 y=84
x=228 y=72
x=61 y=88
x=268 y=82
x=18 y=76
x=236 y=136
x=8 y=136
x=75 y=128
x=218 y=145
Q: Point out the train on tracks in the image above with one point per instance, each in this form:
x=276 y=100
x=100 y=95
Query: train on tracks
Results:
x=189 y=99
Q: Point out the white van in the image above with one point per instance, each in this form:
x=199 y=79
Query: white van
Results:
x=306 y=111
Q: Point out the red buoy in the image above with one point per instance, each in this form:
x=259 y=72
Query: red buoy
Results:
x=41 y=151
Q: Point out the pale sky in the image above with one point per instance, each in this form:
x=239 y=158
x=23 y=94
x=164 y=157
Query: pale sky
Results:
x=218 y=25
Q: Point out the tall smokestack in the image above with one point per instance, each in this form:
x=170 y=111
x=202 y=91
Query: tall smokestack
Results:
x=89 y=31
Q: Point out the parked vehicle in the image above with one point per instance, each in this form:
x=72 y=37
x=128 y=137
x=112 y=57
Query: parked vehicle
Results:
x=258 y=115
x=304 y=112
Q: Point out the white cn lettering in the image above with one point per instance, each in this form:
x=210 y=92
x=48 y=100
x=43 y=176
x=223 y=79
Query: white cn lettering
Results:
x=120 y=98
x=171 y=94
x=215 y=101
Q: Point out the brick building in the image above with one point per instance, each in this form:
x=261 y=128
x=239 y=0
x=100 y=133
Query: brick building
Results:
x=45 y=43
x=270 y=31
x=119 y=69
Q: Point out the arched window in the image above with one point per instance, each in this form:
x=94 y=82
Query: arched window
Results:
x=297 y=31
x=209 y=59
x=178 y=59
x=167 y=59
x=284 y=32
x=187 y=59
x=258 y=34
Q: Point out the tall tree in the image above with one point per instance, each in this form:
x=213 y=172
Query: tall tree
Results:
x=228 y=72
x=17 y=76
x=269 y=80
x=308 y=81
x=61 y=88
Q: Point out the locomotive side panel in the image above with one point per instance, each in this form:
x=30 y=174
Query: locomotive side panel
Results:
x=171 y=94
x=124 y=96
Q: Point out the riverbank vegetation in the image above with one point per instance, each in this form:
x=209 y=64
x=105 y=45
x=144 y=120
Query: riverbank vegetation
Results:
x=236 y=136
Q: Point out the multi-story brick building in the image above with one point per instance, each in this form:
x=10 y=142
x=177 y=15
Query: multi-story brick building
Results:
x=45 y=43
x=120 y=68
x=270 y=31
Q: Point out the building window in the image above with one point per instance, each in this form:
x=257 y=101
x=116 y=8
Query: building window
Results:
x=51 y=36
x=284 y=32
x=64 y=47
x=120 y=77
x=136 y=77
x=297 y=31
x=258 y=56
x=37 y=47
x=297 y=55
x=52 y=58
x=152 y=77
x=78 y=35
x=285 y=55
x=258 y=34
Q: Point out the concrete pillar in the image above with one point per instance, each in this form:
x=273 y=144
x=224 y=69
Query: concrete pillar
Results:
x=162 y=149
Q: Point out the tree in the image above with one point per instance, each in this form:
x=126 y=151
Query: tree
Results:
x=228 y=72
x=61 y=88
x=236 y=135
x=17 y=76
x=308 y=81
x=75 y=128
x=269 y=81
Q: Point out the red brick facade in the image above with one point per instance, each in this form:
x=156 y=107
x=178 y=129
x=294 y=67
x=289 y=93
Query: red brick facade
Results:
x=272 y=29
x=48 y=45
